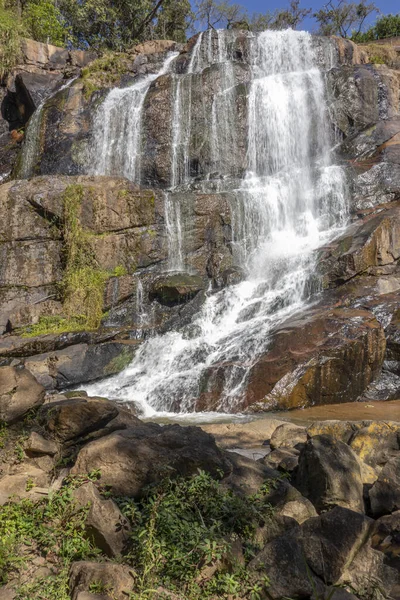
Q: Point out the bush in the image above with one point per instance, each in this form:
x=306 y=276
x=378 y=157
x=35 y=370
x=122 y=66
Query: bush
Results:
x=386 y=26
x=43 y=21
x=10 y=39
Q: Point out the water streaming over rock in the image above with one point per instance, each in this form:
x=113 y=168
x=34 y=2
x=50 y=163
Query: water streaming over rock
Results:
x=117 y=126
x=31 y=148
x=290 y=201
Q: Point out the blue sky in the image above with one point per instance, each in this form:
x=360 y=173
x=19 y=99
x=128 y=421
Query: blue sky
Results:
x=385 y=6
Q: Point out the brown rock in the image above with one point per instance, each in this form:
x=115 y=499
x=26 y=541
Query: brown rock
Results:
x=105 y=524
x=329 y=474
x=37 y=444
x=118 y=579
x=130 y=459
x=77 y=417
x=288 y=435
x=385 y=493
x=331 y=540
x=377 y=442
x=19 y=392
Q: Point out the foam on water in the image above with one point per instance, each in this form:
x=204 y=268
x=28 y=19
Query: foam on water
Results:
x=291 y=201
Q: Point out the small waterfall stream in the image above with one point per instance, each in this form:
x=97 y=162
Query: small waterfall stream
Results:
x=291 y=200
x=117 y=126
x=31 y=148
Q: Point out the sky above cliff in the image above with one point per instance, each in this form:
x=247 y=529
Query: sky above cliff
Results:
x=385 y=6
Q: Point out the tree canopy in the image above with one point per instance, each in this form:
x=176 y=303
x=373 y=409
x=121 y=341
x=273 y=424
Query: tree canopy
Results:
x=119 y=24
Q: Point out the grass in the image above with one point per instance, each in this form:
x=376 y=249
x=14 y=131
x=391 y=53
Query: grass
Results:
x=103 y=72
x=380 y=54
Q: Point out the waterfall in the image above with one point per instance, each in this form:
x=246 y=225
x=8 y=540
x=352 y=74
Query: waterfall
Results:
x=117 y=128
x=291 y=200
x=31 y=149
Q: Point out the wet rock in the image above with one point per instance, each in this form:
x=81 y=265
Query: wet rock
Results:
x=331 y=540
x=176 y=288
x=115 y=577
x=361 y=95
x=105 y=524
x=318 y=357
x=288 y=436
x=329 y=475
x=19 y=393
x=132 y=458
x=373 y=242
x=385 y=493
x=72 y=419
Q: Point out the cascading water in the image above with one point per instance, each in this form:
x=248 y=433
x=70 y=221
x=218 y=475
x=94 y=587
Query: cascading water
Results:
x=290 y=201
x=31 y=148
x=117 y=126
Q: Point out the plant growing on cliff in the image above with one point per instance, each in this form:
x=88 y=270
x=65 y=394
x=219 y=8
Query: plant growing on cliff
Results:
x=83 y=281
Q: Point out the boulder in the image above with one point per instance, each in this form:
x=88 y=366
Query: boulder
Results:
x=37 y=445
x=79 y=363
x=329 y=474
x=300 y=510
x=283 y=459
x=386 y=538
x=19 y=393
x=247 y=477
x=75 y=418
x=117 y=579
x=133 y=458
x=377 y=442
x=28 y=482
x=288 y=435
x=331 y=540
x=282 y=560
x=105 y=524
x=176 y=288
x=338 y=430
x=384 y=495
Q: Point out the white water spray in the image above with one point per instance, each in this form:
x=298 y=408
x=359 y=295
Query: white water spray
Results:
x=290 y=202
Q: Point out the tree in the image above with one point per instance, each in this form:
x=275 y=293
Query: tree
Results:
x=291 y=17
x=174 y=19
x=341 y=17
x=44 y=23
x=214 y=13
x=387 y=26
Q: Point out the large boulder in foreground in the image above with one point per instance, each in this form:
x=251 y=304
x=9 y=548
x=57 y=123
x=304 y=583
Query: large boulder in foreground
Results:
x=329 y=474
x=133 y=458
x=19 y=392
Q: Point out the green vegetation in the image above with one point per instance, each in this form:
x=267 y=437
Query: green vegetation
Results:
x=181 y=530
x=119 y=363
x=103 y=71
x=182 y=526
x=83 y=281
x=52 y=525
x=386 y=26
x=10 y=39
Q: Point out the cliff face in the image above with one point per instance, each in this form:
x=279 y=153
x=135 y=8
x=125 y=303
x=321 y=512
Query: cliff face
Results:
x=332 y=352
